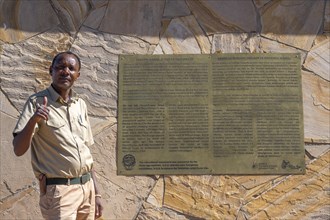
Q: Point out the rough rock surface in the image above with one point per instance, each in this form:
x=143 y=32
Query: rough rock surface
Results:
x=32 y=32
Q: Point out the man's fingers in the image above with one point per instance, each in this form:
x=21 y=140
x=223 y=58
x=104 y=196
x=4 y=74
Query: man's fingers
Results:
x=98 y=210
x=42 y=110
x=45 y=101
x=43 y=114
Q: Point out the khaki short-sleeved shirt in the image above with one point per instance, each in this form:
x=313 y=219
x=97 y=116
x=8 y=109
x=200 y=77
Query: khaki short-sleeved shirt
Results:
x=60 y=145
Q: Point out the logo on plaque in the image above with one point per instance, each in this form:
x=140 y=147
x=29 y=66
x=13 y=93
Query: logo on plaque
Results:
x=287 y=165
x=129 y=161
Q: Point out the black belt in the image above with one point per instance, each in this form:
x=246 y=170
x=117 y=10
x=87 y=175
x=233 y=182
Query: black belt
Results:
x=69 y=181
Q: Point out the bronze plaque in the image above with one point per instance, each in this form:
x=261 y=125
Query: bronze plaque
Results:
x=210 y=114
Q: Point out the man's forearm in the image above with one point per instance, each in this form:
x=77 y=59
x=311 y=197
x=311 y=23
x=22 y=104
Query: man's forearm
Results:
x=98 y=203
x=95 y=182
x=22 y=140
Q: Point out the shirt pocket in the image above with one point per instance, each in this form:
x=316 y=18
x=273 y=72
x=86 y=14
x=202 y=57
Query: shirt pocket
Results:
x=55 y=128
x=56 y=118
x=82 y=126
x=55 y=124
x=82 y=122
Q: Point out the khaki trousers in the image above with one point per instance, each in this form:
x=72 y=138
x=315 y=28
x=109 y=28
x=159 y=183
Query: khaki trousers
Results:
x=68 y=202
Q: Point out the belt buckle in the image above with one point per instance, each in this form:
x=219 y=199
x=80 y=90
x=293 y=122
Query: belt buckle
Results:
x=68 y=183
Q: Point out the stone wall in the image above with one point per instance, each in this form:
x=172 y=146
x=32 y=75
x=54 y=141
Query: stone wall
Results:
x=32 y=32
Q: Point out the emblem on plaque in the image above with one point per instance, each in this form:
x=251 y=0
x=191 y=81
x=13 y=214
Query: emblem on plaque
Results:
x=128 y=161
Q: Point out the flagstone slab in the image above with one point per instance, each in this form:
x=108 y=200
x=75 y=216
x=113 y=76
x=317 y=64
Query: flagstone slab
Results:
x=134 y=18
x=22 y=205
x=295 y=198
x=184 y=35
x=25 y=65
x=20 y=20
x=11 y=166
x=225 y=16
x=99 y=52
x=236 y=43
x=209 y=197
x=176 y=8
x=261 y=3
x=316 y=99
x=295 y=23
x=318 y=59
x=95 y=17
x=327 y=18
x=272 y=46
x=105 y=163
x=71 y=13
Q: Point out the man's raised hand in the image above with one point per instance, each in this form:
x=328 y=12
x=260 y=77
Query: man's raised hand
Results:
x=42 y=111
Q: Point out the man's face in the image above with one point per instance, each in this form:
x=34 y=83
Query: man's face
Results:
x=64 y=71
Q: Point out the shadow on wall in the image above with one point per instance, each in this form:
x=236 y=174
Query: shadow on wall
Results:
x=22 y=19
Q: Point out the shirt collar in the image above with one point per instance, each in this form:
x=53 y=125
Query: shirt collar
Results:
x=57 y=98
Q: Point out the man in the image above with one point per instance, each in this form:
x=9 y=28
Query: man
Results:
x=54 y=122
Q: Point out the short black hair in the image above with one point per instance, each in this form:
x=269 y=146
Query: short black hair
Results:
x=66 y=52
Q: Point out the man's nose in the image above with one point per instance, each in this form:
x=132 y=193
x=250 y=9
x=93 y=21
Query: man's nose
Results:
x=66 y=70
